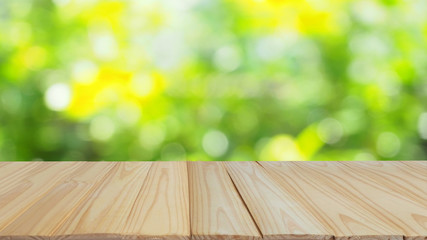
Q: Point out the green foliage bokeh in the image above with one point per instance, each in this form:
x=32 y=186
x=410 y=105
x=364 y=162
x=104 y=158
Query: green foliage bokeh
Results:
x=213 y=80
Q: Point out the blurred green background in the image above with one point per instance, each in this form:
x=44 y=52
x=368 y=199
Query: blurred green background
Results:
x=213 y=80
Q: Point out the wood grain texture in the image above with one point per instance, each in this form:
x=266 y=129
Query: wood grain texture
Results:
x=213 y=200
x=397 y=189
x=29 y=183
x=161 y=209
x=217 y=211
x=46 y=213
x=105 y=212
x=345 y=203
x=274 y=210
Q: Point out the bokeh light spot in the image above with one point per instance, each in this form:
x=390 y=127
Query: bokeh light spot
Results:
x=173 y=152
x=388 y=144
x=129 y=113
x=281 y=148
x=168 y=49
x=215 y=143
x=84 y=71
x=227 y=58
x=368 y=12
x=104 y=46
x=270 y=48
x=422 y=125
x=57 y=96
x=152 y=136
x=102 y=128
x=35 y=57
x=142 y=85
x=330 y=130
x=61 y=3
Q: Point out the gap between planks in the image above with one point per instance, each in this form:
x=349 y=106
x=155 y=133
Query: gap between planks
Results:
x=244 y=203
x=251 y=220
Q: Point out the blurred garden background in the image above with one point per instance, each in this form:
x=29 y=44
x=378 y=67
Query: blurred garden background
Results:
x=213 y=80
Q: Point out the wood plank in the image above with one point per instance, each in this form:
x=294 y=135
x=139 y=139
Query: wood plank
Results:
x=104 y=214
x=274 y=211
x=394 y=189
x=7 y=169
x=336 y=199
x=12 y=173
x=53 y=206
x=413 y=170
x=217 y=211
x=31 y=181
x=213 y=200
x=161 y=209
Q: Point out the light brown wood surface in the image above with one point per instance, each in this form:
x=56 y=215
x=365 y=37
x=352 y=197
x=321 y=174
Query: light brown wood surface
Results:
x=213 y=200
x=217 y=211
x=274 y=210
x=106 y=211
x=48 y=211
x=161 y=208
x=398 y=190
x=351 y=202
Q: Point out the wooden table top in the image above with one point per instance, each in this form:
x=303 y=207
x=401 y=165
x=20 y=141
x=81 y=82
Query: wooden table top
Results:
x=213 y=200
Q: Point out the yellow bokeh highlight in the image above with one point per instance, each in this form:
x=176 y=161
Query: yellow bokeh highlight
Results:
x=294 y=15
x=109 y=88
x=284 y=147
x=309 y=141
x=106 y=11
x=32 y=58
x=375 y=98
x=311 y=21
x=281 y=148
